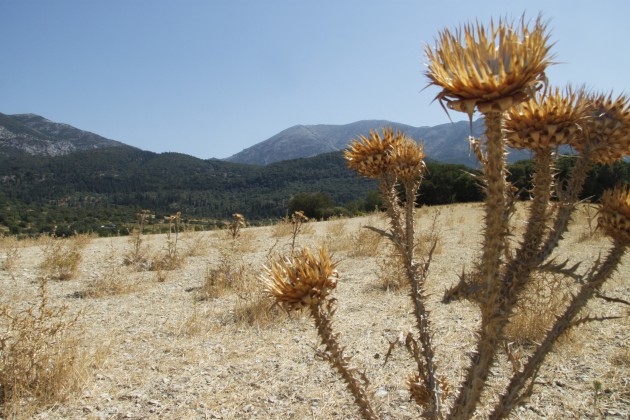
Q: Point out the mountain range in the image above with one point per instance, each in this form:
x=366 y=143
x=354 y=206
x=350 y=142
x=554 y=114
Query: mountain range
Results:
x=444 y=143
x=30 y=134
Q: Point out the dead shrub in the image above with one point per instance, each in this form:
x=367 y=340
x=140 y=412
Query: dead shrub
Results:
x=231 y=273
x=367 y=243
x=62 y=259
x=41 y=361
x=544 y=298
x=137 y=255
x=391 y=271
x=196 y=243
x=11 y=255
x=113 y=284
x=256 y=309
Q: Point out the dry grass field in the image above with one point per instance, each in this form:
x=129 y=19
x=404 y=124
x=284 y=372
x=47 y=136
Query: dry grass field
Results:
x=201 y=341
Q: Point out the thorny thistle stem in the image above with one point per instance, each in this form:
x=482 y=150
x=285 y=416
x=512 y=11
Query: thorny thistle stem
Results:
x=568 y=199
x=322 y=315
x=513 y=395
x=495 y=230
x=521 y=266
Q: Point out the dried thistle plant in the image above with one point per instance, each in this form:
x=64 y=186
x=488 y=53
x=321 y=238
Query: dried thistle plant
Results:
x=298 y=219
x=234 y=227
x=171 y=258
x=304 y=281
x=500 y=72
x=137 y=255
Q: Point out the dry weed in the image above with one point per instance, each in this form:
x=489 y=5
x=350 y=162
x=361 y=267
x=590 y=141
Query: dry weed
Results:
x=40 y=354
x=431 y=237
x=367 y=243
x=256 y=309
x=392 y=271
x=544 y=298
x=62 y=259
x=231 y=273
x=11 y=255
x=137 y=255
x=586 y=219
x=196 y=324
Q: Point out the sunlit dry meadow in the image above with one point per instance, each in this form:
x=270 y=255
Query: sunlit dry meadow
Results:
x=200 y=340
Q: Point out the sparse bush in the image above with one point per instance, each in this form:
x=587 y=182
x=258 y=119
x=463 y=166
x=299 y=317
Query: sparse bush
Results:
x=367 y=243
x=256 y=309
x=137 y=256
x=40 y=356
x=61 y=260
x=230 y=274
x=11 y=255
x=234 y=228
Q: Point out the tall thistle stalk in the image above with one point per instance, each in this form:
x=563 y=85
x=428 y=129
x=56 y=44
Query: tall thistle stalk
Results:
x=491 y=71
x=396 y=160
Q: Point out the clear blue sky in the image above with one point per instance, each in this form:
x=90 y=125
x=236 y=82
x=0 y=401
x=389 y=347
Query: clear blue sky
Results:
x=212 y=77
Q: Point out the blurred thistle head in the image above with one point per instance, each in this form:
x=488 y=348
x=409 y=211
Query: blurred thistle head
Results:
x=370 y=156
x=238 y=219
x=491 y=69
x=378 y=156
x=302 y=279
x=407 y=160
x=614 y=215
x=607 y=128
x=298 y=216
x=547 y=120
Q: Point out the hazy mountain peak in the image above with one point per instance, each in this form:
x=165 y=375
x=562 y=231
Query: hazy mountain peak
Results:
x=35 y=135
x=445 y=142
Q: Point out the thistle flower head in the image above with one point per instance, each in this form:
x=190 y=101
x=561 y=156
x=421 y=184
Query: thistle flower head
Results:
x=489 y=69
x=546 y=120
x=238 y=219
x=302 y=279
x=607 y=128
x=393 y=153
x=614 y=215
x=407 y=159
x=370 y=156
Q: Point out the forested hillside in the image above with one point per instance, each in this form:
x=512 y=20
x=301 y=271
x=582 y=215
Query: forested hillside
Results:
x=102 y=190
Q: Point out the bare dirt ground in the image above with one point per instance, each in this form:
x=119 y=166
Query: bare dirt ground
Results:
x=162 y=353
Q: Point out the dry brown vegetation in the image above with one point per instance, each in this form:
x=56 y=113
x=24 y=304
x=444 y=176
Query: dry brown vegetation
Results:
x=160 y=352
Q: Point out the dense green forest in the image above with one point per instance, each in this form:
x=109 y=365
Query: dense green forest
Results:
x=102 y=190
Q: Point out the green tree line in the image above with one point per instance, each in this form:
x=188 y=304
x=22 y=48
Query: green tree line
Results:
x=102 y=190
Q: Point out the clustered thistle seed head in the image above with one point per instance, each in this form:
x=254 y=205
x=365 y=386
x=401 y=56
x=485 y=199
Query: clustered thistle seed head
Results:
x=489 y=69
x=547 y=120
x=301 y=279
x=370 y=156
x=378 y=156
x=407 y=159
x=614 y=216
x=607 y=128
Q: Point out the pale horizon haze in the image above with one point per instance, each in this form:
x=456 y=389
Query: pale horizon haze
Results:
x=211 y=78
